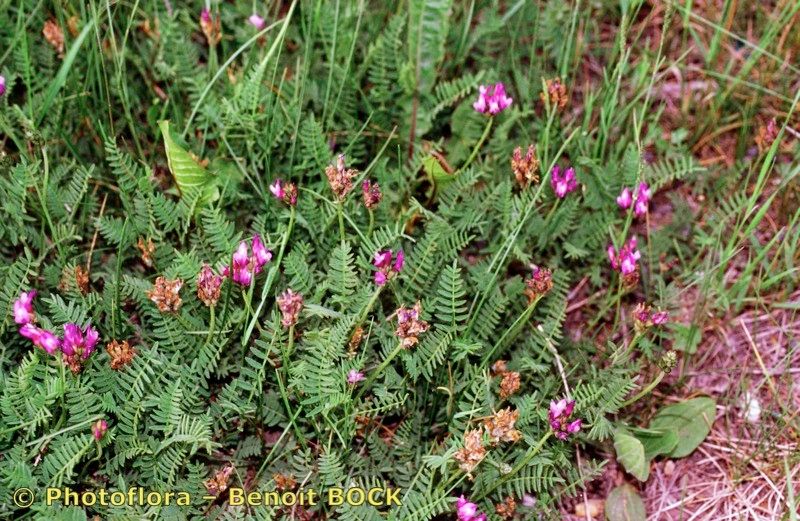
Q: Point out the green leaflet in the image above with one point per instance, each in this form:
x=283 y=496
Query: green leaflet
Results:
x=192 y=179
x=630 y=452
x=624 y=504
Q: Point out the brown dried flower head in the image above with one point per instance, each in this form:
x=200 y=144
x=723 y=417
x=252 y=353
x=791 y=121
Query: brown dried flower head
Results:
x=509 y=385
x=525 y=167
x=767 y=134
x=284 y=481
x=218 y=483
x=147 y=249
x=121 y=354
x=500 y=426
x=556 y=93
x=82 y=279
x=473 y=451
x=372 y=193
x=507 y=508
x=410 y=325
x=290 y=304
x=499 y=368
x=211 y=27
x=54 y=35
x=539 y=284
x=208 y=286
x=340 y=178
x=355 y=340
x=74 y=362
x=165 y=294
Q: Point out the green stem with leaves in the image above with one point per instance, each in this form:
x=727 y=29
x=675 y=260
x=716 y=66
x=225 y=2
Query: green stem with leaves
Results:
x=374 y=374
x=532 y=452
x=478 y=146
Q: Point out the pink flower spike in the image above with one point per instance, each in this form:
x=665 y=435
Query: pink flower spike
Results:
x=90 y=341
x=277 y=189
x=612 y=257
x=574 y=427
x=493 y=103
x=30 y=332
x=23 y=308
x=99 y=429
x=205 y=15
x=380 y=278
x=2 y=85
x=480 y=103
x=559 y=418
x=399 y=261
x=353 y=377
x=256 y=21
x=73 y=339
x=625 y=199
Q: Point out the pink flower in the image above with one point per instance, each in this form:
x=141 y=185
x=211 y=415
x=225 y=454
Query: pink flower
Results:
x=625 y=261
x=386 y=268
x=208 y=285
x=277 y=189
x=261 y=254
x=40 y=338
x=625 y=198
x=23 y=308
x=2 y=85
x=353 y=377
x=244 y=266
x=205 y=16
x=256 y=21
x=372 y=193
x=563 y=184
x=642 y=200
x=492 y=99
x=559 y=415
x=77 y=342
x=466 y=510
x=660 y=318
x=290 y=304
x=99 y=429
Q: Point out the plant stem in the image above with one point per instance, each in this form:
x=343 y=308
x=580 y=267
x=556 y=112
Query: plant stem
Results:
x=478 y=146
x=340 y=212
x=644 y=391
x=532 y=452
x=513 y=330
x=374 y=374
x=371 y=223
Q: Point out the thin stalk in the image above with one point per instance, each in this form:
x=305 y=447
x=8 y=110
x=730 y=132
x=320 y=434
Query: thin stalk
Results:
x=374 y=374
x=478 y=146
x=644 y=391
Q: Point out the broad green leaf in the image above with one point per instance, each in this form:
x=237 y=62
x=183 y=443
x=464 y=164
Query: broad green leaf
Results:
x=655 y=442
x=436 y=171
x=429 y=21
x=630 y=452
x=624 y=504
x=189 y=175
x=690 y=420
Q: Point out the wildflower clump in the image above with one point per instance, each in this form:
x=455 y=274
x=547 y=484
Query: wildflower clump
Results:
x=559 y=417
x=525 y=167
x=563 y=183
x=644 y=317
x=78 y=344
x=388 y=265
x=555 y=93
x=492 y=100
x=500 y=426
x=208 y=286
x=473 y=451
x=466 y=510
x=121 y=353
x=371 y=193
x=244 y=265
x=284 y=191
x=290 y=304
x=340 y=178
x=410 y=325
x=625 y=261
x=509 y=380
x=538 y=284
x=166 y=294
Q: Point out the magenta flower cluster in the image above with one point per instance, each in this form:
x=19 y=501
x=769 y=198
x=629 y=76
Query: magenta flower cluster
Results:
x=640 y=200
x=245 y=265
x=77 y=342
x=559 y=416
x=624 y=261
x=563 y=183
x=2 y=85
x=388 y=265
x=466 y=510
x=354 y=376
x=256 y=21
x=492 y=99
